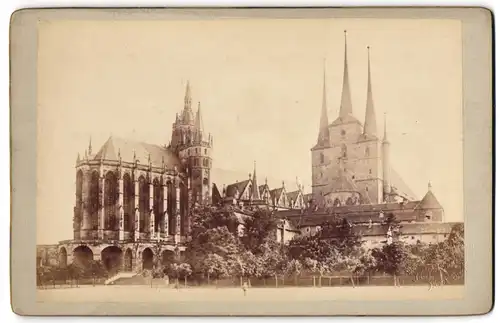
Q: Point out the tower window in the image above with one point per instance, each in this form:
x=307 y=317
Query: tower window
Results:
x=370 y=171
x=322 y=158
x=344 y=151
x=342 y=132
x=205 y=151
x=367 y=151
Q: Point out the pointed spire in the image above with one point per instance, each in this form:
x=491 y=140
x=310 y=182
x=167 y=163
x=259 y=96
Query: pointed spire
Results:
x=255 y=187
x=187 y=113
x=78 y=158
x=345 y=103
x=370 y=119
x=323 y=135
x=135 y=157
x=199 y=120
x=90 y=146
x=385 y=128
x=429 y=186
x=119 y=154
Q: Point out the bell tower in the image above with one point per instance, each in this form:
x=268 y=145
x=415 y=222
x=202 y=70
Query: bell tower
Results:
x=194 y=147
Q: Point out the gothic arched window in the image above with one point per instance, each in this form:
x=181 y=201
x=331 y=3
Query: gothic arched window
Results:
x=143 y=203
x=171 y=207
x=336 y=202
x=128 y=203
x=94 y=200
x=158 y=205
x=110 y=197
x=349 y=201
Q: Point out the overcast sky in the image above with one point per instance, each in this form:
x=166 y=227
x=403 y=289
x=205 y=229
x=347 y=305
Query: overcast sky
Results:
x=260 y=87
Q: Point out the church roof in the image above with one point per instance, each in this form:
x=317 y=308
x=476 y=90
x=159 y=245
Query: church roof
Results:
x=401 y=187
x=216 y=196
x=238 y=186
x=293 y=195
x=116 y=147
x=276 y=193
x=429 y=202
x=345 y=119
x=262 y=188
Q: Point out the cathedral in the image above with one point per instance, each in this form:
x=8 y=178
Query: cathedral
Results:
x=352 y=178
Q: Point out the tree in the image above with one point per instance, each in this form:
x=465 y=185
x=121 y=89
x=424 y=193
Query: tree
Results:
x=295 y=268
x=391 y=259
x=215 y=266
x=259 y=229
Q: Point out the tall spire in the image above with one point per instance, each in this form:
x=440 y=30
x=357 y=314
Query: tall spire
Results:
x=199 y=120
x=345 y=103
x=90 y=145
x=187 y=113
x=323 y=135
x=255 y=187
x=370 y=119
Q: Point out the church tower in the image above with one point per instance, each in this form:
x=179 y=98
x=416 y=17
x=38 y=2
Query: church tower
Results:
x=194 y=147
x=369 y=168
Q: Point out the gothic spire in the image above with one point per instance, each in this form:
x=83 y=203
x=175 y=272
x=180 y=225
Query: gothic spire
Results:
x=90 y=146
x=255 y=187
x=345 y=103
x=323 y=135
x=370 y=119
x=187 y=113
x=199 y=120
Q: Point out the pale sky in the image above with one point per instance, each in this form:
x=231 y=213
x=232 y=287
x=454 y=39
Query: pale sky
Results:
x=260 y=87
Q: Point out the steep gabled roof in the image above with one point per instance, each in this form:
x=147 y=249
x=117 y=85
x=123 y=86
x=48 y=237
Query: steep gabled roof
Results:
x=116 y=147
x=239 y=186
x=401 y=187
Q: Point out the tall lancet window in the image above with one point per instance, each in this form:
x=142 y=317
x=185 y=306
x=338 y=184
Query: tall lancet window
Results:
x=128 y=203
x=171 y=207
x=94 y=200
x=110 y=197
x=143 y=203
x=367 y=152
x=79 y=189
x=183 y=208
x=322 y=158
x=158 y=205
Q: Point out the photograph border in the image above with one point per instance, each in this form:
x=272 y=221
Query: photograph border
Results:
x=477 y=38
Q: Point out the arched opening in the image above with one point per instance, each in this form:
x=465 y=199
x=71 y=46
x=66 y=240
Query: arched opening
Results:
x=127 y=265
x=63 y=257
x=83 y=256
x=171 y=207
x=147 y=259
x=167 y=258
x=111 y=258
x=111 y=198
x=322 y=158
x=94 y=200
x=349 y=201
x=158 y=205
x=143 y=203
x=336 y=202
x=128 y=203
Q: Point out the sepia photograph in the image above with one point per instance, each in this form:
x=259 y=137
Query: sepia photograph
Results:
x=249 y=159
